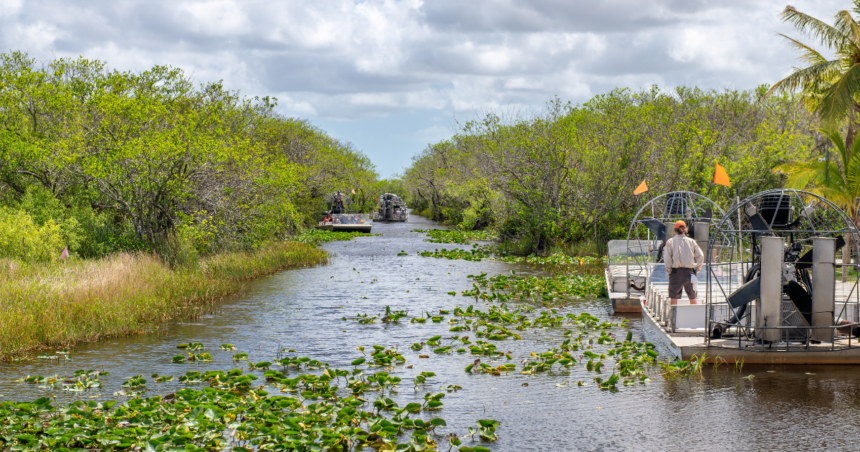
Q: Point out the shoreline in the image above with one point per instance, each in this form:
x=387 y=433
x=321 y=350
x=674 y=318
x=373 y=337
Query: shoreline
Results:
x=60 y=304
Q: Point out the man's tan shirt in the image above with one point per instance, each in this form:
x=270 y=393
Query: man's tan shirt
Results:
x=683 y=252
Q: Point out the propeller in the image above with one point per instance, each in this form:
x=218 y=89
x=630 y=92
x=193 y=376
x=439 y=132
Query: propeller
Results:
x=801 y=298
x=657 y=227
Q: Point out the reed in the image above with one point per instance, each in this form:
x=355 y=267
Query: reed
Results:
x=59 y=304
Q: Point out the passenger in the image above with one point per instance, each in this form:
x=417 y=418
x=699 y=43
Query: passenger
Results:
x=338 y=202
x=335 y=219
x=683 y=259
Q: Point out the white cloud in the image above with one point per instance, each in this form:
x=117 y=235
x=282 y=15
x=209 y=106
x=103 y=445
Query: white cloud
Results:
x=350 y=59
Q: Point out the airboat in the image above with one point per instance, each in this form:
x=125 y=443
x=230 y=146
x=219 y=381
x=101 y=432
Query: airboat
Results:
x=775 y=286
x=340 y=215
x=627 y=271
x=391 y=208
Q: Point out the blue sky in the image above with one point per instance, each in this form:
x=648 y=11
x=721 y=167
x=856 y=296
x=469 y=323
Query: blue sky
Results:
x=391 y=76
x=391 y=140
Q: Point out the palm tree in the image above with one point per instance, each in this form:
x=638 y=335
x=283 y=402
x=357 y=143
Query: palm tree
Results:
x=830 y=88
x=838 y=181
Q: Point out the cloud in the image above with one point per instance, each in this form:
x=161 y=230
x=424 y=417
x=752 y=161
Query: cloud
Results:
x=353 y=60
x=344 y=58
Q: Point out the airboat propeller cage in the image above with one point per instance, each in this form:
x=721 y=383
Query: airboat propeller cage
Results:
x=655 y=222
x=780 y=260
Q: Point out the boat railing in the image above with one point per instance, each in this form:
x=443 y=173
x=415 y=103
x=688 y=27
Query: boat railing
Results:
x=624 y=264
x=683 y=317
x=791 y=337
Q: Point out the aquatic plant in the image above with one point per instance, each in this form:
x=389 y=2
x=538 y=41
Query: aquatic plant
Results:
x=230 y=414
x=477 y=254
x=135 y=382
x=535 y=288
x=319 y=236
x=191 y=347
x=199 y=357
x=693 y=367
x=456 y=236
x=393 y=316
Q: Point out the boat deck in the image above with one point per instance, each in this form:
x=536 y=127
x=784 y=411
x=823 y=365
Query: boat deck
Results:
x=682 y=330
x=616 y=284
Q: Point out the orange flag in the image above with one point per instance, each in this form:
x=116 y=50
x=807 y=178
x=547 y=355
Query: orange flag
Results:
x=720 y=176
x=642 y=188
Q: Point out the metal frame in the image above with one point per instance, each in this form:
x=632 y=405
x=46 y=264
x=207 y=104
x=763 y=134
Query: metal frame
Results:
x=729 y=253
x=637 y=232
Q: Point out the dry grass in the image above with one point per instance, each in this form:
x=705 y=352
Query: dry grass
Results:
x=59 y=304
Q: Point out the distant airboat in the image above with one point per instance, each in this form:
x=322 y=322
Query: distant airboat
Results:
x=340 y=215
x=391 y=208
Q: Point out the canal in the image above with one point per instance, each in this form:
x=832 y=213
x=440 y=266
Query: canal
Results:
x=752 y=408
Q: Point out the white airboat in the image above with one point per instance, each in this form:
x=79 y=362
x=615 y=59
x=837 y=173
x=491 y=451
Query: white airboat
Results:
x=772 y=289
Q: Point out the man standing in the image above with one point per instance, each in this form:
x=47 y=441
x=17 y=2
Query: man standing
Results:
x=683 y=259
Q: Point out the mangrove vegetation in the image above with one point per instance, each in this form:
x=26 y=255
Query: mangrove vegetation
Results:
x=165 y=194
x=563 y=179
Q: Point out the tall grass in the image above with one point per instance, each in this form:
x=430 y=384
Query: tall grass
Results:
x=63 y=303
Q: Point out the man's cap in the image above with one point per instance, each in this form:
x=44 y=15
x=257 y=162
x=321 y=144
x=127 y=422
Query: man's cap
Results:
x=680 y=224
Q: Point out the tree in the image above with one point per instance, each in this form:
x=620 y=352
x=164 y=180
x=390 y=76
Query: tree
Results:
x=838 y=180
x=830 y=88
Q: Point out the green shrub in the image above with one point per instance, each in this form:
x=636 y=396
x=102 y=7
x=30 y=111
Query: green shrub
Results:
x=22 y=238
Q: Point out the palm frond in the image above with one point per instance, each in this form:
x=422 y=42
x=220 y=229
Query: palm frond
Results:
x=847 y=26
x=836 y=139
x=837 y=196
x=807 y=53
x=852 y=153
x=839 y=98
x=802 y=179
x=851 y=167
x=853 y=179
x=825 y=33
x=809 y=77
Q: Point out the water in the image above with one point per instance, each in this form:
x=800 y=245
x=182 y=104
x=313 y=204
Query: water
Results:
x=786 y=408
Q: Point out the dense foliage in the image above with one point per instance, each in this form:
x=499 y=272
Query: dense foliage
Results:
x=103 y=160
x=567 y=175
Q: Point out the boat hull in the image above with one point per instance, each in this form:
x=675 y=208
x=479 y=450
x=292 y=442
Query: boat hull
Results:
x=347 y=227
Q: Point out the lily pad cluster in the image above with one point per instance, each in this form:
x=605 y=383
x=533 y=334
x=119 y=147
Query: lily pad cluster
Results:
x=535 y=288
x=476 y=254
x=318 y=236
x=456 y=236
x=81 y=380
x=327 y=410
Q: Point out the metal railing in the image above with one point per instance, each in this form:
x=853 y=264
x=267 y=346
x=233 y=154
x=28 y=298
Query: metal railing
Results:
x=746 y=336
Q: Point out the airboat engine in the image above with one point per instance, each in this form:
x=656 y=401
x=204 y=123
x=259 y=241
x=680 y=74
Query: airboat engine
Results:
x=786 y=302
x=772 y=279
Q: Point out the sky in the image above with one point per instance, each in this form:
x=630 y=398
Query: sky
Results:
x=391 y=76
